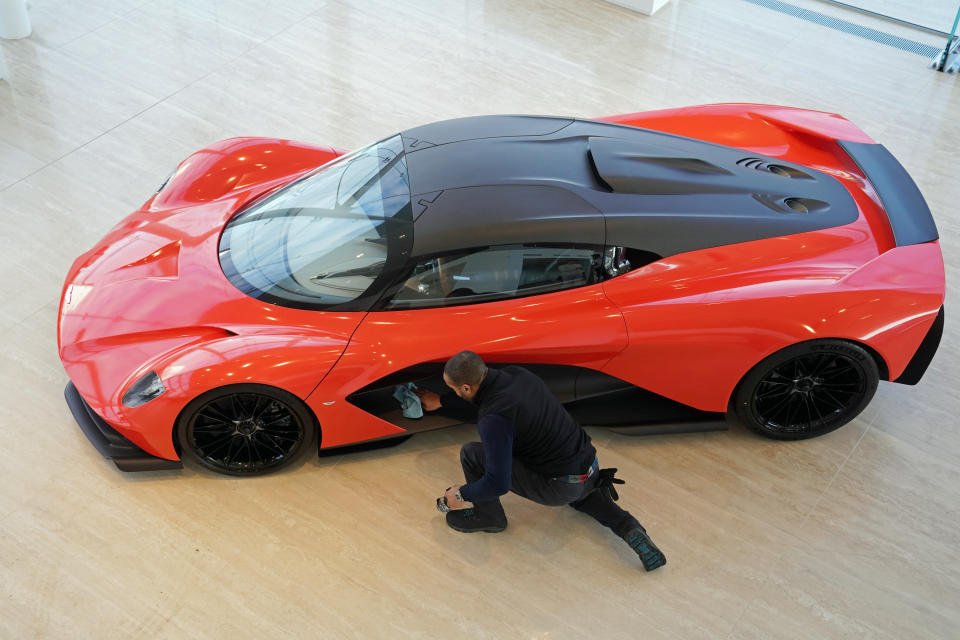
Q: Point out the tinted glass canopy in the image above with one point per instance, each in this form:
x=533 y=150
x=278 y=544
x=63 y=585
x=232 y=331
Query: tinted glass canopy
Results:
x=329 y=240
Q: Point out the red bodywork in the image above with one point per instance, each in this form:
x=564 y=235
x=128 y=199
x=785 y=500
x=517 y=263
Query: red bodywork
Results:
x=151 y=296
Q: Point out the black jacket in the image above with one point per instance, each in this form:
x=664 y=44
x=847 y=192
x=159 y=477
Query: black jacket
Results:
x=519 y=417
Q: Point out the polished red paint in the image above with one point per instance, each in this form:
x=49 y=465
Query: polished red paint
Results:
x=151 y=296
x=575 y=327
x=724 y=309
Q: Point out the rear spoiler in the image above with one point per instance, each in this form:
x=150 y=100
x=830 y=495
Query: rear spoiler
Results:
x=908 y=213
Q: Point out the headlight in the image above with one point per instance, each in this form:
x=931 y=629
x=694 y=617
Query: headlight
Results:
x=144 y=390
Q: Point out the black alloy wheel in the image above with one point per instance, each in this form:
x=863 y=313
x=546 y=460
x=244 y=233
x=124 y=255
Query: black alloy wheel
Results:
x=246 y=429
x=807 y=389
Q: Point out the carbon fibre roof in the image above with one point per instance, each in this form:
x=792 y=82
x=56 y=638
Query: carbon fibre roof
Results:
x=490 y=180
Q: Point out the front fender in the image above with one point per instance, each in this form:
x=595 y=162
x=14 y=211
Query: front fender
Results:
x=238 y=165
x=295 y=363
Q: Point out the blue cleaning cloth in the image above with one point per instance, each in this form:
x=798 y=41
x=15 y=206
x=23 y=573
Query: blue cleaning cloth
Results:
x=409 y=401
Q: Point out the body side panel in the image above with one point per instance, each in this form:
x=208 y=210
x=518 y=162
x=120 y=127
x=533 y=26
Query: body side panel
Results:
x=575 y=327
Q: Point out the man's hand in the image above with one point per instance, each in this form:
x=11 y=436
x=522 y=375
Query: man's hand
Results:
x=451 y=496
x=428 y=399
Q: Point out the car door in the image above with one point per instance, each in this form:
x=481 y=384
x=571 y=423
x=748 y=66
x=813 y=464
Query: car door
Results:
x=519 y=303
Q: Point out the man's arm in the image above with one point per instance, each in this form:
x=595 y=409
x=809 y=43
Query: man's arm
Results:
x=496 y=434
x=430 y=401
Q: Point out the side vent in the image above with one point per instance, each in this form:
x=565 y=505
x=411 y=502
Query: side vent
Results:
x=759 y=164
x=791 y=204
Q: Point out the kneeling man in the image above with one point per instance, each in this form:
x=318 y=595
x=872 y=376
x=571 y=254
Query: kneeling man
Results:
x=531 y=445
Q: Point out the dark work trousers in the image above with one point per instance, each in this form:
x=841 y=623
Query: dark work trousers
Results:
x=545 y=490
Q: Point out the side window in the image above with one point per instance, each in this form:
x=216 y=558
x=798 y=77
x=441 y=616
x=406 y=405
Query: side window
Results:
x=620 y=260
x=497 y=273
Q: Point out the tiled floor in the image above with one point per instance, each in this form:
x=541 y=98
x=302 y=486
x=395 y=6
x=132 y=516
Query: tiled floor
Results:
x=855 y=534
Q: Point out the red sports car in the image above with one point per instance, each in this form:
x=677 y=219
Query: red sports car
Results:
x=661 y=271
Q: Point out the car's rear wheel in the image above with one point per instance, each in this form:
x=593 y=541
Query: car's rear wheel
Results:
x=246 y=429
x=807 y=389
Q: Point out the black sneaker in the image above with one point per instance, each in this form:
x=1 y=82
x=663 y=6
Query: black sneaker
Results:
x=471 y=520
x=650 y=555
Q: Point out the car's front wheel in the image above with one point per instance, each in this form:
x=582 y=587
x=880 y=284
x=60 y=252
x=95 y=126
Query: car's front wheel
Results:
x=246 y=429
x=806 y=389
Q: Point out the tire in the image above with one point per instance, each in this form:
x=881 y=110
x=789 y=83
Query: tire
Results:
x=246 y=429
x=806 y=389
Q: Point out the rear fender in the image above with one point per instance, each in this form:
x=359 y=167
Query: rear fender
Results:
x=692 y=338
x=766 y=129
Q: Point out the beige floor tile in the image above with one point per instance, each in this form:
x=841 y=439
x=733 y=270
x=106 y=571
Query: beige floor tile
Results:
x=129 y=162
x=891 y=499
x=258 y=20
x=52 y=104
x=159 y=53
x=57 y=22
x=825 y=594
x=777 y=483
x=16 y=164
x=926 y=415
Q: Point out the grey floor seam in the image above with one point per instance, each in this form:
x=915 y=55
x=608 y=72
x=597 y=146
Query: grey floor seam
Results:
x=837 y=472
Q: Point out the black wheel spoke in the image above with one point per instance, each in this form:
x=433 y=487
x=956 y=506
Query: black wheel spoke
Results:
x=811 y=408
x=282 y=420
x=831 y=399
x=215 y=413
x=841 y=369
x=840 y=385
x=809 y=393
x=259 y=452
x=822 y=361
x=792 y=411
x=246 y=433
x=248 y=449
x=281 y=428
x=218 y=445
x=805 y=406
x=265 y=450
x=774 y=411
x=267 y=439
x=261 y=407
x=774 y=393
x=229 y=456
x=213 y=425
x=236 y=407
x=816 y=406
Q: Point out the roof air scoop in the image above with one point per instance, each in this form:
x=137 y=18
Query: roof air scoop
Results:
x=791 y=204
x=759 y=164
x=628 y=167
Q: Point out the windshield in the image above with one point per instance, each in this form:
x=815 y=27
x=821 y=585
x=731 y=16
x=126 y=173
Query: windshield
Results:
x=326 y=240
